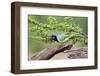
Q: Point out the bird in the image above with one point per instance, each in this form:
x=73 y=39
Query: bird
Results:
x=63 y=37
x=58 y=37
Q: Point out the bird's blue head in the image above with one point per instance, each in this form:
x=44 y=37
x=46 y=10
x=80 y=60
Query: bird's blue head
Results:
x=54 y=38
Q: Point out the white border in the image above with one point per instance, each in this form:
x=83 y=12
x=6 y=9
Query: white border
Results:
x=25 y=64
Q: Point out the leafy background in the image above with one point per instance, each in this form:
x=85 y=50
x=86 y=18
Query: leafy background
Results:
x=40 y=27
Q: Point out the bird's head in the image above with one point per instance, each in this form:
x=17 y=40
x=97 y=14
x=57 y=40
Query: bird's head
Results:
x=54 y=38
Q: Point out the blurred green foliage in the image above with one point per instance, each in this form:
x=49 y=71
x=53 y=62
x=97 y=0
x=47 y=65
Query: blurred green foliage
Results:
x=41 y=27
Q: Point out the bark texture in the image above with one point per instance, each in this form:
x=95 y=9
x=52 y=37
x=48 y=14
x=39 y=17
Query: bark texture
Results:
x=48 y=53
x=81 y=52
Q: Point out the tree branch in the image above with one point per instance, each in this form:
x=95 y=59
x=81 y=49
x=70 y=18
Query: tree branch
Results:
x=48 y=53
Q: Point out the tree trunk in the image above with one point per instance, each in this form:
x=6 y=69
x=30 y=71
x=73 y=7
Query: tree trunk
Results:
x=48 y=53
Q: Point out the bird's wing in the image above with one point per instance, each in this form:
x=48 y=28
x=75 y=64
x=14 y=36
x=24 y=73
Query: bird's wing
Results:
x=63 y=38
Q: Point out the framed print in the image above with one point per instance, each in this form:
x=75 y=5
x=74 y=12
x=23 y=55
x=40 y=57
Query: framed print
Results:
x=52 y=37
